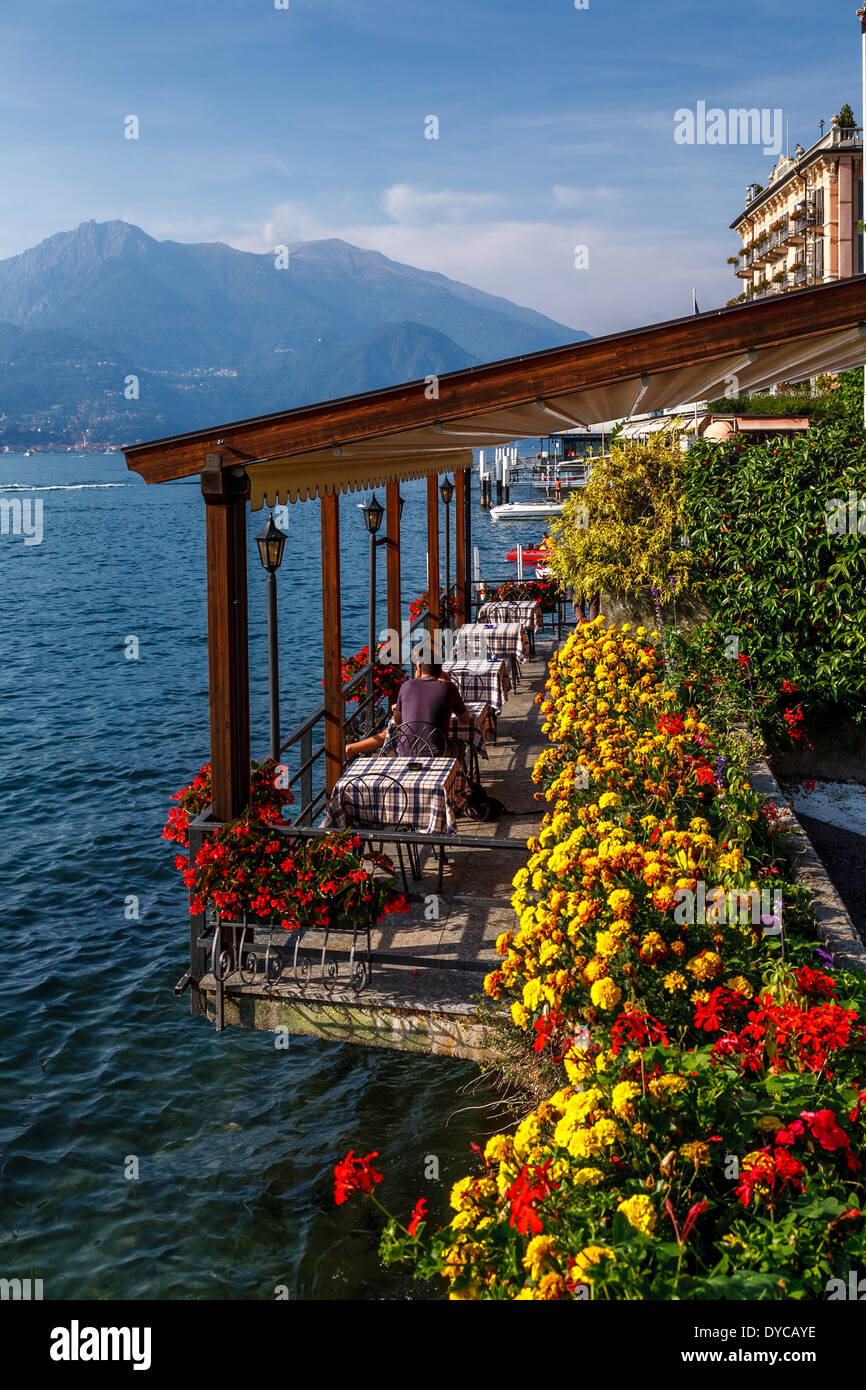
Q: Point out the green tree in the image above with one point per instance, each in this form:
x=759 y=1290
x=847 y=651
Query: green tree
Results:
x=624 y=533
x=846 y=117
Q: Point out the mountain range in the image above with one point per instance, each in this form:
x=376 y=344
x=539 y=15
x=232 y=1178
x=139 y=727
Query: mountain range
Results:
x=108 y=336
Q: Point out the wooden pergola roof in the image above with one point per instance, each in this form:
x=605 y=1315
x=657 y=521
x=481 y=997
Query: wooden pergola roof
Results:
x=427 y=426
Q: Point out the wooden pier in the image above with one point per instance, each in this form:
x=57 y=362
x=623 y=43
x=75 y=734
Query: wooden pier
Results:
x=429 y=966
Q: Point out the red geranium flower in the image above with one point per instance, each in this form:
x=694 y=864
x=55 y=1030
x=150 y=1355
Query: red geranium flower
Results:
x=355 y=1175
x=418 y=1217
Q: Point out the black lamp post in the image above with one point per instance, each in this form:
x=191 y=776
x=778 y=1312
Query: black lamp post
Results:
x=271 y=542
x=446 y=492
x=373 y=513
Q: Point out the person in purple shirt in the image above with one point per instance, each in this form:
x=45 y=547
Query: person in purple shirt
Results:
x=425 y=705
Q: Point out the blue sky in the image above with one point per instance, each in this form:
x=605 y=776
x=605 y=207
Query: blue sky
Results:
x=261 y=126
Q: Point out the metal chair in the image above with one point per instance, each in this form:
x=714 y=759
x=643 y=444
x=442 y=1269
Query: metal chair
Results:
x=414 y=739
x=366 y=796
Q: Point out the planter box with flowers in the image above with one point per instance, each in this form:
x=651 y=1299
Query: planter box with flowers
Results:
x=256 y=879
x=543 y=591
x=421 y=605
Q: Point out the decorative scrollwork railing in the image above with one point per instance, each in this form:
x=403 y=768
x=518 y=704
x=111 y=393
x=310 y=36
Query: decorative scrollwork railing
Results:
x=252 y=952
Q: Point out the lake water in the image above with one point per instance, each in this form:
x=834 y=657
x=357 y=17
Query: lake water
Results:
x=235 y=1140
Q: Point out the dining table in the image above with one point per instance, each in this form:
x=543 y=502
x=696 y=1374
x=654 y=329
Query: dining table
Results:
x=422 y=794
x=481 y=679
x=506 y=640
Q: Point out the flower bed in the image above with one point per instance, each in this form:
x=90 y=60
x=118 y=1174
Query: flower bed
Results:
x=704 y=1132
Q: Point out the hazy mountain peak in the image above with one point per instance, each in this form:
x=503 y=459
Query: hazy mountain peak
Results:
x=339 y=318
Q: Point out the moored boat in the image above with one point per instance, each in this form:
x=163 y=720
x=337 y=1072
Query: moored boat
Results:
x=526 y=511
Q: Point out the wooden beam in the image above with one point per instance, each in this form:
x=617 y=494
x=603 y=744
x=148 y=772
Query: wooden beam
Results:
x=597 y=362
x=332 y=642
x=392 y=557
x=460 y=543
x=433 y=589
x=225 y=495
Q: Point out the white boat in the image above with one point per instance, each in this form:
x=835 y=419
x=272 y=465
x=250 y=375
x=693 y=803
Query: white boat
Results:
x=526 y=511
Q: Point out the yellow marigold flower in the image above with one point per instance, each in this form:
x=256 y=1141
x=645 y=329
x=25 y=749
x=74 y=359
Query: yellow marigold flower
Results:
x=594 y=969
x=498 y=1148
x=674 y=981
x=607 y=943
x=527 y=1134
x=532 y=995
x=640 y=1213
x=553 y=1286
x=539 y=1253
x=578 y=1064
x=619 y=900
x=622 y=1096
x=587 y=1259
x=705 y=966
x=607 y=1132
x=652 y=947
x=519 y=1016
x=466 y=1220
x=696 y=1152
x=678 y=948
x=461 y=1195
x=604 y=1060
x=741 y=985
x=641 y=1131
x=608 y=799
x=605 y=994
x=586 y=1177
x=667 y=1085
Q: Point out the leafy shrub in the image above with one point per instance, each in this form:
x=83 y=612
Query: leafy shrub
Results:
x=773 y=566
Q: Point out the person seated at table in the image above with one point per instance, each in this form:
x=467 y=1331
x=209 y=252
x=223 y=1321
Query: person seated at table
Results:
x=427 y=703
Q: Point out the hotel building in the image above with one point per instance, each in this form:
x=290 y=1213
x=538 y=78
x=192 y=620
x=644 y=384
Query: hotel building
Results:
x=802 y=228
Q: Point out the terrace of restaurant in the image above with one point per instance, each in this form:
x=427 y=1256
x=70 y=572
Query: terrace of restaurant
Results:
x=411 y=982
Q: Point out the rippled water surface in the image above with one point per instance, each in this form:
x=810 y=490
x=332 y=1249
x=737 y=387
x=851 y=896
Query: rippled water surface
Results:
x=235 y=1141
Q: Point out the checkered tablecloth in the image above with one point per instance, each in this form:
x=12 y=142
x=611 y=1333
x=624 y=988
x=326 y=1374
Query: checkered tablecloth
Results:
x=481 y=728
x=480 y=680
x=492 y=639
x=367 y=794
x=524 y=610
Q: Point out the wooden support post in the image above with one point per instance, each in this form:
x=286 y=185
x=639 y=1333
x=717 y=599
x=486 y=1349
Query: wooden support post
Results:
x=433 y=550
x=332 y=639
x=392 y=555
x=460 y=544
x=225 y=493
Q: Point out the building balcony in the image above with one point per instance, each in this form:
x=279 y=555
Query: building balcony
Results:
x=797 y=277
x=797 y=229
x=778 y=243
x=761 y=254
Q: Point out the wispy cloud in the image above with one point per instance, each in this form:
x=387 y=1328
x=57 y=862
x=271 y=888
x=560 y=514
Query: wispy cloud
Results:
x=406 y=203
x=565 y=195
